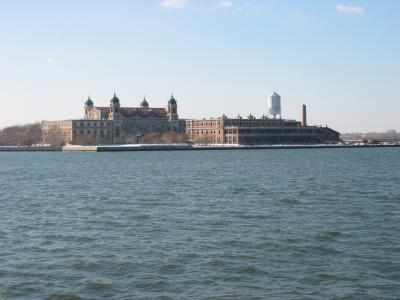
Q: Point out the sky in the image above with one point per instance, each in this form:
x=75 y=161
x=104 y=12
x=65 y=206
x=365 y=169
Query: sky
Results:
x=340 y=58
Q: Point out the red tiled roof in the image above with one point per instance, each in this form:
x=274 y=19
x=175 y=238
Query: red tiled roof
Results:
x=103 y=109
x=143 y=111
x=131 y=111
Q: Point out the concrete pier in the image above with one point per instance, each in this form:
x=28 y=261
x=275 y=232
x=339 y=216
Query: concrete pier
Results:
x=177 y=147
x=29 y=148
x=180 y=147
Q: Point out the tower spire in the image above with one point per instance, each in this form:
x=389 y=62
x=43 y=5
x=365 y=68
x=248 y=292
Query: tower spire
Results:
x=144 y=102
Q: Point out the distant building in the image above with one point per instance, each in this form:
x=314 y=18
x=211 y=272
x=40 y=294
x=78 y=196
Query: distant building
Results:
x=114 y=124
x=262 y=131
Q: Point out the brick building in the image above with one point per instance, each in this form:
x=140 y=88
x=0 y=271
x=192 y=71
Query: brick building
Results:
x=114 y=124
x=262 y=131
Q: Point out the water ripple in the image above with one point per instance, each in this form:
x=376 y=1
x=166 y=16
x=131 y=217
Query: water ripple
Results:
x=303 y=224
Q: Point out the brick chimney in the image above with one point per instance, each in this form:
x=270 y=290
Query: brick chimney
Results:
x=304 y=116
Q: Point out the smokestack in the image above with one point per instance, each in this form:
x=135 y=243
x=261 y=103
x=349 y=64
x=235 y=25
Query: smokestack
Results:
x=304 y=116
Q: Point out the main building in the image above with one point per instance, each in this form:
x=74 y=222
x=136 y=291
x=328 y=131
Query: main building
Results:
x=114 y=124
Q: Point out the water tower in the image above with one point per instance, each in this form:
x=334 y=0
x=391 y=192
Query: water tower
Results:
x=274 y=106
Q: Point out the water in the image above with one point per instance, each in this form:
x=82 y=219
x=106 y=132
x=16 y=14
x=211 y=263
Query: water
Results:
x=251 y=224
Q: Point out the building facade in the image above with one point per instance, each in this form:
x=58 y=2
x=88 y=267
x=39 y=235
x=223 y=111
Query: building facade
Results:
x=262 y=131
x=114 y=124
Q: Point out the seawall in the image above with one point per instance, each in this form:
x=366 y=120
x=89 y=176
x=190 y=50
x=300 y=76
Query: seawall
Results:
x=180 y=147
x=29 y=148
x=177 y=147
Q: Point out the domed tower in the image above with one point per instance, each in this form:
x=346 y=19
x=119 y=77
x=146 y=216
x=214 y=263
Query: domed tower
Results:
x=172 y=109
x=114 y=107
x=88 y=106
x=144 y=103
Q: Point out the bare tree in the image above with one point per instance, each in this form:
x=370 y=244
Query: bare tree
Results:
x=169 y=137
x=173 y=137
x=151 y=138
x=21 y=135
x=54 y=137
x=88 y=139
x=204 y=139
x=390 y=135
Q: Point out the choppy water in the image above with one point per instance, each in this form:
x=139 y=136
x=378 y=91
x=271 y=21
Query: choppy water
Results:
x=258 y=224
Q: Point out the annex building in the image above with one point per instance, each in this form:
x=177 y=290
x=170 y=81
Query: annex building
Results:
x=259 y=131
x=114 y=124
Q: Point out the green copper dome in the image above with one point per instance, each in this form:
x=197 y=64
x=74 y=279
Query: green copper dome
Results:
x=172 y=100
x=144 y=103
x=114 y=100
x=89 y=102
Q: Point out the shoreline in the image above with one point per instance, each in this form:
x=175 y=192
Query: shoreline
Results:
x=177 y=147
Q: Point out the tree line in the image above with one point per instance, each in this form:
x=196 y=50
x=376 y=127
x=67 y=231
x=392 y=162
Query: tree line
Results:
x=21 y=135
x=389 y=135
x=31 y=134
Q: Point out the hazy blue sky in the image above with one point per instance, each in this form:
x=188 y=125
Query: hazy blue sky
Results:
x=341 y=58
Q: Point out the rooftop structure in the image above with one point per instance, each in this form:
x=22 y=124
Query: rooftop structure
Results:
x=274 y=106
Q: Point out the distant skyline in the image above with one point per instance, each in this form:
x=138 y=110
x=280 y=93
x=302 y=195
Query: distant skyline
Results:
x=340 y=58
